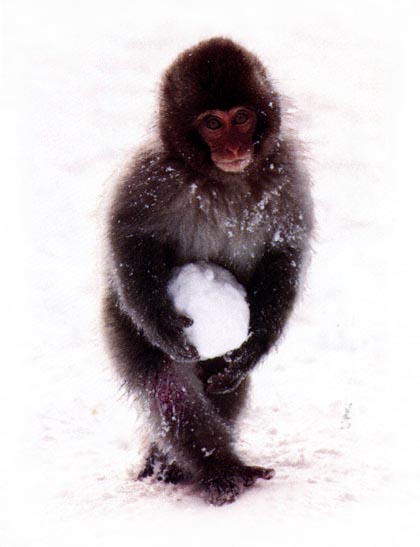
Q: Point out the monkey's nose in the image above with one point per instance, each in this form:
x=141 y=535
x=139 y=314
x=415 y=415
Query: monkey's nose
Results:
x=233 y=149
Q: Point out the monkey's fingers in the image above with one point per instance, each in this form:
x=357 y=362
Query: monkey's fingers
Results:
x=187 y=354
x=180 y=350
x=224 y=382
x=184 y=321
x=172 y=338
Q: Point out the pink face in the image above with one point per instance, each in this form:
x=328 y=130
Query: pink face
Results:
x=228 y=134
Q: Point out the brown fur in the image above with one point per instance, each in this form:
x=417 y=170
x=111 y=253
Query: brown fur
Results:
x=174 y=206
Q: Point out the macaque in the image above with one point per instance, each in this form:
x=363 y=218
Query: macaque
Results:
x=223 y=185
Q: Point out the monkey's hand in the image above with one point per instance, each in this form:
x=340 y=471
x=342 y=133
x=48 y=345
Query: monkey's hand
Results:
x=238 y=363
x=170 y=336
x=225 y=382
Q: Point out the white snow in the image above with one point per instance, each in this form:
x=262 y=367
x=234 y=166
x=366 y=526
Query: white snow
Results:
x=335 y=409
x=216 y=302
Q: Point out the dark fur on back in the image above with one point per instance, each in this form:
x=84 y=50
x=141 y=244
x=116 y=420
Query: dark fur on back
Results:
x=174 y=206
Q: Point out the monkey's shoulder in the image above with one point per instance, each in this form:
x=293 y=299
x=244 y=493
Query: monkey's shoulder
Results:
x=158 y=194
x=292 y=183
x=148 y=183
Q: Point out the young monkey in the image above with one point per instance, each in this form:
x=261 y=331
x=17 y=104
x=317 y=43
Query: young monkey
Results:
x=222 y=185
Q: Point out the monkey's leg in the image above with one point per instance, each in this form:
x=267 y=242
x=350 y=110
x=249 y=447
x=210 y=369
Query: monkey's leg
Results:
x=133 y=356
x=186 y=421
x=198 y=434
x=188 y=424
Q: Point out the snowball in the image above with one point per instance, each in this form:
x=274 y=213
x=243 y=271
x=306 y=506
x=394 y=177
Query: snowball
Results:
x=215 y=301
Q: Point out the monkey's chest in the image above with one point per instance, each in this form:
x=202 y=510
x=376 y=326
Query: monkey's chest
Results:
x=232 y=238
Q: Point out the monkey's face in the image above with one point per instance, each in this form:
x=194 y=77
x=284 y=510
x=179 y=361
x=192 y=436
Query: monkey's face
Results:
x=228 y=134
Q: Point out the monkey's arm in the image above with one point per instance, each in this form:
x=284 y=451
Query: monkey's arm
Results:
x=141 y=270
x=271 y=295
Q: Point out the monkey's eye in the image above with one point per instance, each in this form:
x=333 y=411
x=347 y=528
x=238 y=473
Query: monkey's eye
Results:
x=241 y=117
x=213 y=123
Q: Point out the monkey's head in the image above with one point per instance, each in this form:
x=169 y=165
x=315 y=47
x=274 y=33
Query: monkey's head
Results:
x=218 y=109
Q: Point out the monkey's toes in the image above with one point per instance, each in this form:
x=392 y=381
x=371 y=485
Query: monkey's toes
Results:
x=221 y=490
x=159 y=466
x=173 y=474
x=252 y=473
x=229 y=482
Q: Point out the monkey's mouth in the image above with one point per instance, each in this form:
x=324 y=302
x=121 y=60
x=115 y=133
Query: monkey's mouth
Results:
x=234 y=166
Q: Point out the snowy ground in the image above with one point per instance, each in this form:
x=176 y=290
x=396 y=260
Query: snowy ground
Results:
x=334 y=410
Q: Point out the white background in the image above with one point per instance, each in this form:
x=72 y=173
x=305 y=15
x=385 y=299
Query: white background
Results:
x=335 y=408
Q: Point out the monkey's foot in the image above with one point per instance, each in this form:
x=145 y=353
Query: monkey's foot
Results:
x=228 y=482
x=172 y=473
x=158 y=466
